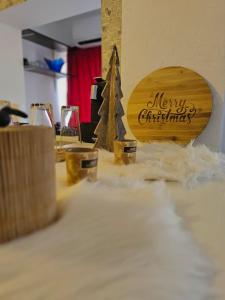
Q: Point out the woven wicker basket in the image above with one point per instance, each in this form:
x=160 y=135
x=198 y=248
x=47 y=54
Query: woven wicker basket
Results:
x=27 y=180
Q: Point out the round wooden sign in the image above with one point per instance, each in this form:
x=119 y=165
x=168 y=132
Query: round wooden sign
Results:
x=170 y=104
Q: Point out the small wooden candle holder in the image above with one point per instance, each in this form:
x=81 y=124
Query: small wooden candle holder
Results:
x=125 y=152
x=27 y=180
x=81 y=163
x=59 y=154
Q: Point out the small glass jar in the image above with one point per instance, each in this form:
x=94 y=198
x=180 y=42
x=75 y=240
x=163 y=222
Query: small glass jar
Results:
x=37 y=114
x=70 y=133
x=70 y=125
x=40 y=115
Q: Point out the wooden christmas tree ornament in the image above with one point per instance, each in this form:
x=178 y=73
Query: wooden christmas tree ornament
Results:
x=27 y=180
x=110 y=126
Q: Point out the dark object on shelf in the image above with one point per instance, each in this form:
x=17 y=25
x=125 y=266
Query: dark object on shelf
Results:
x=87 y=129
x=43 y=40
x=55 y=65
x=57 y=128
x=97 y=102
x=66 y=106
x=25 y=62
x=99 y=80
x=87 y=132
x=95 y=106
x=86 y=42
x=5 y=113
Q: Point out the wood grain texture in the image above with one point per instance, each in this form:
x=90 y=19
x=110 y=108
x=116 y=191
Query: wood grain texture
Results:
x=125 y=152
x=7 y=3
x=81 y=163
x=111 y=19
x=170 y=104
x=110 y=125
x=27 y=180
x=4 y=103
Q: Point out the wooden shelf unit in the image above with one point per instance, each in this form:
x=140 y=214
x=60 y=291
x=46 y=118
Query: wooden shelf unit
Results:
x=43 y=40
x=45 y=71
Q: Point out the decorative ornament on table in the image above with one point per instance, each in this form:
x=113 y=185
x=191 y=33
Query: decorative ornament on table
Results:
x=81 y=163
x=170 y=104
x=110 y=126
x=125 y=152
x=27 y=180
x=55 y=65
x=5 y=115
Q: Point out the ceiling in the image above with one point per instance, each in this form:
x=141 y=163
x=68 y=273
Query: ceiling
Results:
x=75 y=29
x=34 y=13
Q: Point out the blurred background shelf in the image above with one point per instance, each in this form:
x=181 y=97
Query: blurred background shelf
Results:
x=45 y=71
x=43 y=40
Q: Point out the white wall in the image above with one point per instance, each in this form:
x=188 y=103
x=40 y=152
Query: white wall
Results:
x=61 y=84
x=28 y=15
x=190 y=33
x=72 y=30
x=11 y=66
x=40 y=88
x=223 y=128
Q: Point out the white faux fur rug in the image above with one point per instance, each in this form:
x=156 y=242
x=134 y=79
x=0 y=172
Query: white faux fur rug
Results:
x=119 y=239
x=188 y=165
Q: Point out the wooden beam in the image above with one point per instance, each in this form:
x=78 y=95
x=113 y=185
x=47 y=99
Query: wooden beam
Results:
x=111 y=30
x=7 y=3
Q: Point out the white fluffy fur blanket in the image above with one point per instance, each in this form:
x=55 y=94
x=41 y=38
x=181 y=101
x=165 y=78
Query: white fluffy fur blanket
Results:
x=118 y=239
x=168 y=161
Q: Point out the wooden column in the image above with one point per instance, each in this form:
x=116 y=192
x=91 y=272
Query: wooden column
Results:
x=7 y=3
x=111 y=30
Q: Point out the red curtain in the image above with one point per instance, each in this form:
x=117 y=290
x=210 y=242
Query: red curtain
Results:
x=85 y=64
